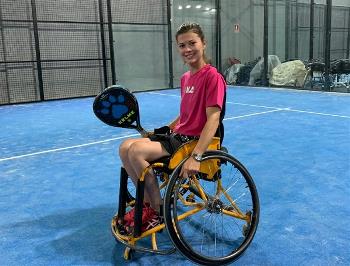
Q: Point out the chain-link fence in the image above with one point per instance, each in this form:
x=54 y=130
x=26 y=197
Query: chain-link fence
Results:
x=52 y=49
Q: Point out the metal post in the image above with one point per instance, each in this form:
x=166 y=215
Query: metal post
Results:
x=4 y=55
x=103 y=44
x=311 y=43
x=252 y=31
x=296 y=45
x=170 y=46
x=111 y=42
x=274 y=22
x=348 y=43
x=37 y=51
x=218 y=35
x=327 y=48
x=287 y=30
x=266 y=42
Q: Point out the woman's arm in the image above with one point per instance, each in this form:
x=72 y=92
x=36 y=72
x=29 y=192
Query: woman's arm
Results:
x=209 y=130
x=191 y=166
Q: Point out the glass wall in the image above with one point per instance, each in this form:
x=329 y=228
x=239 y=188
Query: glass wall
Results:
x=296 y=31
x=140 y=42
x=339 y=46
x=319 y=29
x=141 y=56
x=279 y=29
x=340 y=29
x=298 y=28
x=242 y=35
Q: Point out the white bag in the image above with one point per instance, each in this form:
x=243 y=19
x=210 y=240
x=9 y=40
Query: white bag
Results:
x=231 y=73
x=257 y=72
x=290 y=73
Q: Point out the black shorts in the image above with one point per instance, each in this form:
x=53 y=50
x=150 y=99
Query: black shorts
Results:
x=171 y=142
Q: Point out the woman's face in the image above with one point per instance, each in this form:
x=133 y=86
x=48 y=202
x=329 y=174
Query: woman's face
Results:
x=191 y=49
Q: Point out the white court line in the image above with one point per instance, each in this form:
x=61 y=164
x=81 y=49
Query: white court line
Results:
x=336 y=93
x=164 y=94
x=316 y=113
x=241 y=116
x=66 y=148
x=268 y=107
x=254 y=105
x=275 y=109
x=117 y=138
x=291 y=110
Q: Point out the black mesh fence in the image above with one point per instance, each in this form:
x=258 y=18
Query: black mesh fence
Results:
x=16 y=9
x=83 y=11
x=18 y=83
x=139 y=11
x=52 y=49
x=18 y=62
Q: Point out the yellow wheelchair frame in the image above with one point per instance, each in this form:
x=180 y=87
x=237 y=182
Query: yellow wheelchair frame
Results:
x=193 y=195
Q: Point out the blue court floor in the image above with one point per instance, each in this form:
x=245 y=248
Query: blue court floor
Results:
x=59 y=177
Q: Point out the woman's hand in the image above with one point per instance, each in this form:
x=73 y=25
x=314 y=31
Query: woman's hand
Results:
x=190 y=167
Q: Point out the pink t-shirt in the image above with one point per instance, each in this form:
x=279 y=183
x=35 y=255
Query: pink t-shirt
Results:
x=205 y=88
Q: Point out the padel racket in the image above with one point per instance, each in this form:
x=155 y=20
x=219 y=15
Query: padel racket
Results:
x=117 y=106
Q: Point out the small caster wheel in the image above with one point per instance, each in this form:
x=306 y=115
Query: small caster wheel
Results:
x=128 y=253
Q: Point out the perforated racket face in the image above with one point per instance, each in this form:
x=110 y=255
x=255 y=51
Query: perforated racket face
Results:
x=118 y=107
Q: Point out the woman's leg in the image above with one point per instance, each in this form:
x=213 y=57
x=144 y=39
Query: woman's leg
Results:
x=124 y=156
x=140 y=154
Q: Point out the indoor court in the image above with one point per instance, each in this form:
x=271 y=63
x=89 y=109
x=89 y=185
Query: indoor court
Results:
x=60 y=177
x=78 y=78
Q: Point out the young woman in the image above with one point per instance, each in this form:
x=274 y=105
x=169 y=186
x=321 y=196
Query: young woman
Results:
x=202 y=94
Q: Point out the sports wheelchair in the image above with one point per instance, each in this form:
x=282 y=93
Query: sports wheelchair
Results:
x=211 y=217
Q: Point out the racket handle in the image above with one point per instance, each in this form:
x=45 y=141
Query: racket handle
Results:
x=143 y=133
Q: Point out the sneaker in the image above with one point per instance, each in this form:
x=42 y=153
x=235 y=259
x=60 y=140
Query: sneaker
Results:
x=150 y=219
x=129 y=216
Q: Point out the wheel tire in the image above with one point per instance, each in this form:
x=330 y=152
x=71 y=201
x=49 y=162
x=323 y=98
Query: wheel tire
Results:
x=180 y=228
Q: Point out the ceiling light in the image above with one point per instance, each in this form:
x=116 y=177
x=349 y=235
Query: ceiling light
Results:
x=198 y=6
x=188 y=6
x=180 y=7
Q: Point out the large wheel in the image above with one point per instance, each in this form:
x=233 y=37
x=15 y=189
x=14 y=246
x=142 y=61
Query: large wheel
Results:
x=212 y=220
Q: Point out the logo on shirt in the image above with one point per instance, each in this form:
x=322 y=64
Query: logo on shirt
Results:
x=189 y=89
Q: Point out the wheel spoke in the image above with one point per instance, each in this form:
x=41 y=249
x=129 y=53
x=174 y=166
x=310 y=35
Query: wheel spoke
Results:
x=217 y=231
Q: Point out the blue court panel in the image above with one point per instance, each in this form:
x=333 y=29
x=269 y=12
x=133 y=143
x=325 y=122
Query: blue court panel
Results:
x=59 y=176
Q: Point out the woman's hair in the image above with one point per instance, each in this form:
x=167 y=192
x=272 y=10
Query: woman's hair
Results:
x=195 y=28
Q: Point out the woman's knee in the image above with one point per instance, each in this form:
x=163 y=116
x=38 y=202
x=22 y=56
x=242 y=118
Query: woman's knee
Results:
x=145 y=151
x=124 y=148
x=135 y=150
